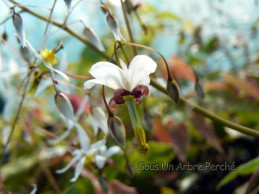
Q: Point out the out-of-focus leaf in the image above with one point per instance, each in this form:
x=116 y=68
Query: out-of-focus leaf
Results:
x=244 y=169
x=179 y=69
x=206 y=131
x=167 y=15
x=76 y=101
x=162 y=132
x=244 y=88
x=211 y=45
x=118 y=187
x=180 y=141
x=253 y=182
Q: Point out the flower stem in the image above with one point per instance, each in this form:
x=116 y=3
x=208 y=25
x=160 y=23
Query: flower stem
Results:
x=137 y=125
x=128 y=26
x=210 y=115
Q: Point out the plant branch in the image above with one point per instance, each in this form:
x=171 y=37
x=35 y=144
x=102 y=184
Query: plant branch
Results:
x=196 y=108
x=210 y=115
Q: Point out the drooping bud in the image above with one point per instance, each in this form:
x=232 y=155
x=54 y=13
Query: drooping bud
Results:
x=117 y=130
x=114 y=26
x=68 y=3
x=104 y=7
x=18 y=25
x=199 y=90
x=173 y=90
x=93 y=38
x=25 y=52
x=129 y=6
x=4 y=36
x=64 y=106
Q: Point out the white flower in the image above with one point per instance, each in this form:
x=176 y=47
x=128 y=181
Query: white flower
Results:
x=97 y=153
x=110 y=75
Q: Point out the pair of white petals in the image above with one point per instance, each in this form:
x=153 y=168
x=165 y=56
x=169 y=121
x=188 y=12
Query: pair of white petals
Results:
x=110 y=75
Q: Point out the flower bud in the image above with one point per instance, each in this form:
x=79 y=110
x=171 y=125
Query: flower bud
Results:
x=64 y=106
x=103 y=183
x=173 y=90
x=25 y=54
x=199 y=90
x=68 y=3
x=113 y=24
x=93 y=38
x=117 y=130
x=18 y=25
x=4 y=36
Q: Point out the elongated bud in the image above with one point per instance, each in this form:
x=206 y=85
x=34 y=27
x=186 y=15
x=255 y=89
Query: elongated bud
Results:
x=114 y=26
x=4 y=36
x=68 y=3
x=18 y=25
x=64 y=106
x=117 y=130
x=173 y=90
x=25 y=54
x=93 y=38
x=199 y=90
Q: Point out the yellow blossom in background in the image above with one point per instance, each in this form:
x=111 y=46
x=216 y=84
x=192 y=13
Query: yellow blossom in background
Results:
x=49 y=56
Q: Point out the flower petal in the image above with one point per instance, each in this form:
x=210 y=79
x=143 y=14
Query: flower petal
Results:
x=100 y=161
x=83 y=138
x=113 y=150
x=71 y=163
x=78 y=169
x=139 y=70
x=106 y=73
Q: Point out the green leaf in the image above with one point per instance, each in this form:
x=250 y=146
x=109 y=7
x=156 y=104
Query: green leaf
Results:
x=244 y=169
x=167 y=15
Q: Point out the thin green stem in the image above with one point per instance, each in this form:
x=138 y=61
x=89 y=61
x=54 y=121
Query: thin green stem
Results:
x=210 y=115
x=49 y=19
x=18 y=112
x=128 y=26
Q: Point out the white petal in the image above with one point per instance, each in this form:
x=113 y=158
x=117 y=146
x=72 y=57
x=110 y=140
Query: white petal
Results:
x=33 y=191
x=83 y=138
x=100 y=161
x=113 y=150
x=82 y=106
x=140 y=68
x=96 y=146
x=98 y=119
x=71 y=163
x=107 y=74
x=78 y=169
x=61 y=137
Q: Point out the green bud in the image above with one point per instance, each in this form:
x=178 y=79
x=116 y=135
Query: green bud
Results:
x=117 y=130
x=173 y=90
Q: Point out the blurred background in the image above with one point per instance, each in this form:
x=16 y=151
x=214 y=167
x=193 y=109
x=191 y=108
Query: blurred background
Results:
x=218 y=39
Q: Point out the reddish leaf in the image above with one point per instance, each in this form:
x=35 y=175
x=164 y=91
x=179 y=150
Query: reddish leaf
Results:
x=179 y=69
x=118 y=187
x=180 y=141
x=206 y=131
x=76 y=101
x=162 y=132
